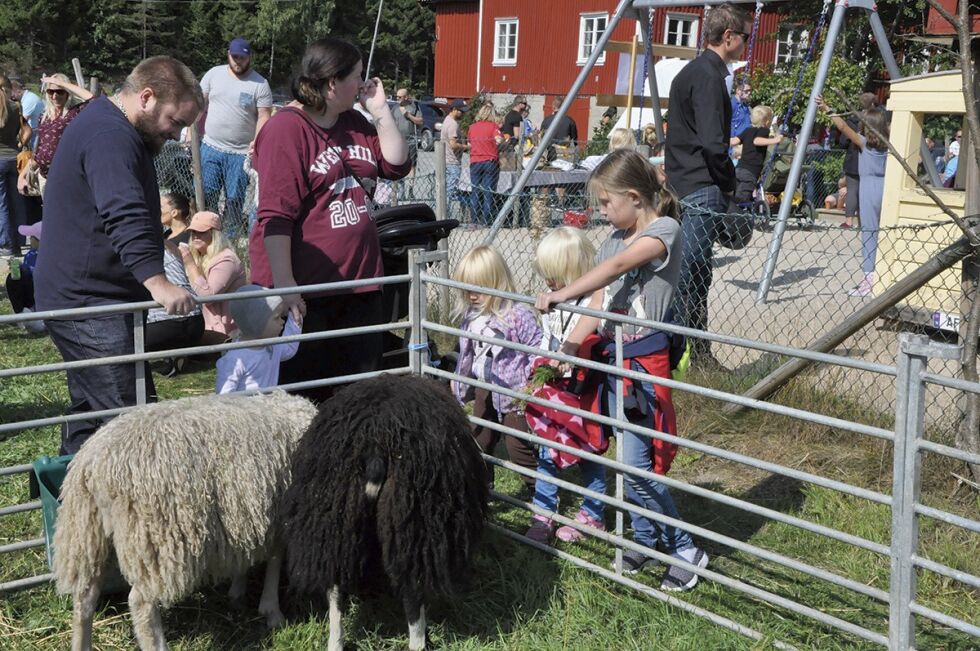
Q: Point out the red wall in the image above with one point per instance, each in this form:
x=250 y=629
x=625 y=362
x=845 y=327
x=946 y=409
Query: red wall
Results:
x=938 y=25
x=456 y=44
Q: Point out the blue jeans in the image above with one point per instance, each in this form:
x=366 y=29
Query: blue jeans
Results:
x=483 y=178
x=647 y=493
x=97 y=387
x=546 y=494
x=454 y=199
x=224 y=170
x=12 y=212
x=700 y=227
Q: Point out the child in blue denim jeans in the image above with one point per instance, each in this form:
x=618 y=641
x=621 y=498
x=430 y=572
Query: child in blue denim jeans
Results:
x=564 y=255
x=636 y=274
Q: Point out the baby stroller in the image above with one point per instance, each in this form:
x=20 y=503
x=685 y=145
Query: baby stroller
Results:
x=399 y=229
x=769 y=194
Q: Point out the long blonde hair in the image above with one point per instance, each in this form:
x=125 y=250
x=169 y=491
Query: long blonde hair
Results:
x=50 y=110
x=624 y=170
x=219 y=242
x=564 y=255
x=483 y=266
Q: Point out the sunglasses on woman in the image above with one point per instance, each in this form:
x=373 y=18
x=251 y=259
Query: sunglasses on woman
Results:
x=56 y=91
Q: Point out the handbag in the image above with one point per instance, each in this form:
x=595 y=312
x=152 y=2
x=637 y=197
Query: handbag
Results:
x=25 y=159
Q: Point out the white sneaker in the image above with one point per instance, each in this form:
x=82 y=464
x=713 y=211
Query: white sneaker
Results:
x=865 y=287
x=34 y=327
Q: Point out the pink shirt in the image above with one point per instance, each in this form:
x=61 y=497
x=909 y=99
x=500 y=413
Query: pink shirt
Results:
x=483 y=144
x=310 y=192
x=225 y=276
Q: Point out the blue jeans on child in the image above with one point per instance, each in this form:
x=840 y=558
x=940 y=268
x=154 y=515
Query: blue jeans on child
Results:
x=647 y=493
x=546 y=494
x=223 y=169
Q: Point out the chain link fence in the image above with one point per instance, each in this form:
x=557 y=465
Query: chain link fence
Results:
x=812 y=290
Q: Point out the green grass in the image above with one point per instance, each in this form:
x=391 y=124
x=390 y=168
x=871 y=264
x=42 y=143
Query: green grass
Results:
x=522 y=599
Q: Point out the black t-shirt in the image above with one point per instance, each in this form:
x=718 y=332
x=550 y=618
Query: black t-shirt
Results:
x=513 y=119
x=753 y=156
x=567 y=132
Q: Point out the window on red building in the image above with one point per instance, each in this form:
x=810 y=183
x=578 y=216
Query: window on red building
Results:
x=682 y=29
x=505 y=42
x=590 y=30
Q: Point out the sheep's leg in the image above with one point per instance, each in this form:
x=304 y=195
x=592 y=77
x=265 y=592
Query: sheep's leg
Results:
x=269 y=604
x=415 y=611
x=336 y=641
x=237 y=590
x=83 y=610
x=147 y=622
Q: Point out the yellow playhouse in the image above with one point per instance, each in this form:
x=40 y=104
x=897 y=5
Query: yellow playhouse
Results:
x=904 y=204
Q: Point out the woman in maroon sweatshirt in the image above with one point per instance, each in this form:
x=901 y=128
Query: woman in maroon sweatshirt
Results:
x=316 y=160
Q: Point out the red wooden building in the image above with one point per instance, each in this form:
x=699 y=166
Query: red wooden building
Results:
x=536 y=48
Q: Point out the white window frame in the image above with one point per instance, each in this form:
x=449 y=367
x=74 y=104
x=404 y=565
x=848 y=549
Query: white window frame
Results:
x=695 y=23
x=791 y=44
x=510 y=25
x=589 y=35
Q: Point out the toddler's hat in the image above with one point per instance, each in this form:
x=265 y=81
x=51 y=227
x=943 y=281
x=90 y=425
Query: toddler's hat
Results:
x=252 y=314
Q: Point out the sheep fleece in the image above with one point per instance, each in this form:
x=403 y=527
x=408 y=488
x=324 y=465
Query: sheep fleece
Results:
x=184 y=490
x=429 y=514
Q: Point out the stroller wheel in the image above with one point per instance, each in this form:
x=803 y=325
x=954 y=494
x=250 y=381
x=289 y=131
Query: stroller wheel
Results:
x=761 y=215
x=806 y=214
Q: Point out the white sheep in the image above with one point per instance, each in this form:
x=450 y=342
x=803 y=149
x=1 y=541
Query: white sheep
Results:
x=186 y=492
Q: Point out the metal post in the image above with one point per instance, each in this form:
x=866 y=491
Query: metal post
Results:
x=139 y=347
x=583 y=74
x=442 y=192
x=416 y=303
x=196 y=168
x=913 y=356
x=658 y=118
x=889 y=58
x=620 y=415
x=836 y=22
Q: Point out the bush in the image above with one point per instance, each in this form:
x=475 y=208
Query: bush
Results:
x=775 y=88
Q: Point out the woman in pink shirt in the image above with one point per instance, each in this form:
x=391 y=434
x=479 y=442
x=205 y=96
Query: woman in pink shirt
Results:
x=484 y=137
x=213 y=268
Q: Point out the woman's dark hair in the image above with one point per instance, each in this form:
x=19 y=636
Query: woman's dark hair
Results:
x=876 y=119
x=180 y=202
x=325 y=59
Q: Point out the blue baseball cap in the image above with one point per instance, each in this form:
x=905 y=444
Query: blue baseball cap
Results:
x=239 y=47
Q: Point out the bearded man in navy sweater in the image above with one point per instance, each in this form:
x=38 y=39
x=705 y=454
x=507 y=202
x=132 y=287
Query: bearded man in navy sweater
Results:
x=103 y=241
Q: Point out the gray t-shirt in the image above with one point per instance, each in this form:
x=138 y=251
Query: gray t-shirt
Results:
x=233 y=106
x=645 y=292
x=450 y=130
x=405 y=126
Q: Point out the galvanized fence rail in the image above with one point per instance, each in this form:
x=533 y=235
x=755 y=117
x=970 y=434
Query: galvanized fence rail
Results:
x=909 y=377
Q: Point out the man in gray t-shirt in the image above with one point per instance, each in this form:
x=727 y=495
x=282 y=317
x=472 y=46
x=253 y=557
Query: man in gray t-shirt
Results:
x=239 y=101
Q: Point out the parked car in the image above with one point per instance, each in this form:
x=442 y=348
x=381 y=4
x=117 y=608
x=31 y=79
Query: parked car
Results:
x=432 y=116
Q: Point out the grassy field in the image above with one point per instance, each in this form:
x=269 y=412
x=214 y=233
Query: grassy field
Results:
x=520 y=598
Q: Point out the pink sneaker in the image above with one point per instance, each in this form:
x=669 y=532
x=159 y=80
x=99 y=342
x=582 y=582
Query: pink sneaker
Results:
x=865 y=288
x=571 y=534
x=542 y=530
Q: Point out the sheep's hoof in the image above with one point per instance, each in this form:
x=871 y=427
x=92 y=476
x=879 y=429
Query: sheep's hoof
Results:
x=274 y=619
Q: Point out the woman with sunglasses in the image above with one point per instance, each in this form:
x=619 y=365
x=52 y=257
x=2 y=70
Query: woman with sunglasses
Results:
x=63 y=101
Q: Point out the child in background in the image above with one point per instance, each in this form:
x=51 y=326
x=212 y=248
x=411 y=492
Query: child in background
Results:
x=755 y=142
x=492 y=316
x=657 y=159
x=621 y=138
x=837 y=200
x=636 y=274
x=257 y=367
x=564 y=255
x=20 y=280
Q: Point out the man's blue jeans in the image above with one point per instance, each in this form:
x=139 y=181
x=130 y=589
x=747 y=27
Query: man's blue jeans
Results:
x=483 y=178
x=97 y=387
x=700 y=226
x=11 y=206
x=593 y=478
x=224 y=170
x=647 y=493
x=454 y=199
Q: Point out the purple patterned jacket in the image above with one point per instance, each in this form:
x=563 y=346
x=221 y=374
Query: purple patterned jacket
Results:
x=510 y=369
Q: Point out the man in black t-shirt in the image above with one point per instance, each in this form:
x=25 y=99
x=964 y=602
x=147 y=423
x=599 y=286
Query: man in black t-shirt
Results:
x=755 y=142
x=511 y=128
x=567 y=133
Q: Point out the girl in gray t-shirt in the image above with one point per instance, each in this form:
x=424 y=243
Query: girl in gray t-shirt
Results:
x=636 y=275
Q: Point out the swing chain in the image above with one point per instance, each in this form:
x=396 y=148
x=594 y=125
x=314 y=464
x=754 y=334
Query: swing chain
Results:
x=748 y=55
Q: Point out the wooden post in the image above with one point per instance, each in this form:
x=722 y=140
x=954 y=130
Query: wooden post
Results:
x=629 y=92
x=196 y=168
x=77 y=67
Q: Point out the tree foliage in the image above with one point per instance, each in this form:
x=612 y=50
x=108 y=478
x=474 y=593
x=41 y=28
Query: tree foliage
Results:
x=110 y=36
x=776 y=90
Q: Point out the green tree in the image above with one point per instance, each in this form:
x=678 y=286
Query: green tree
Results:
x=776 y=90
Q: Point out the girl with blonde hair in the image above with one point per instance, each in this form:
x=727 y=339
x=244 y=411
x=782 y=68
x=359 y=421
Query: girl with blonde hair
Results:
x=498 y=318
x=213 y=267
x=620 y=138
